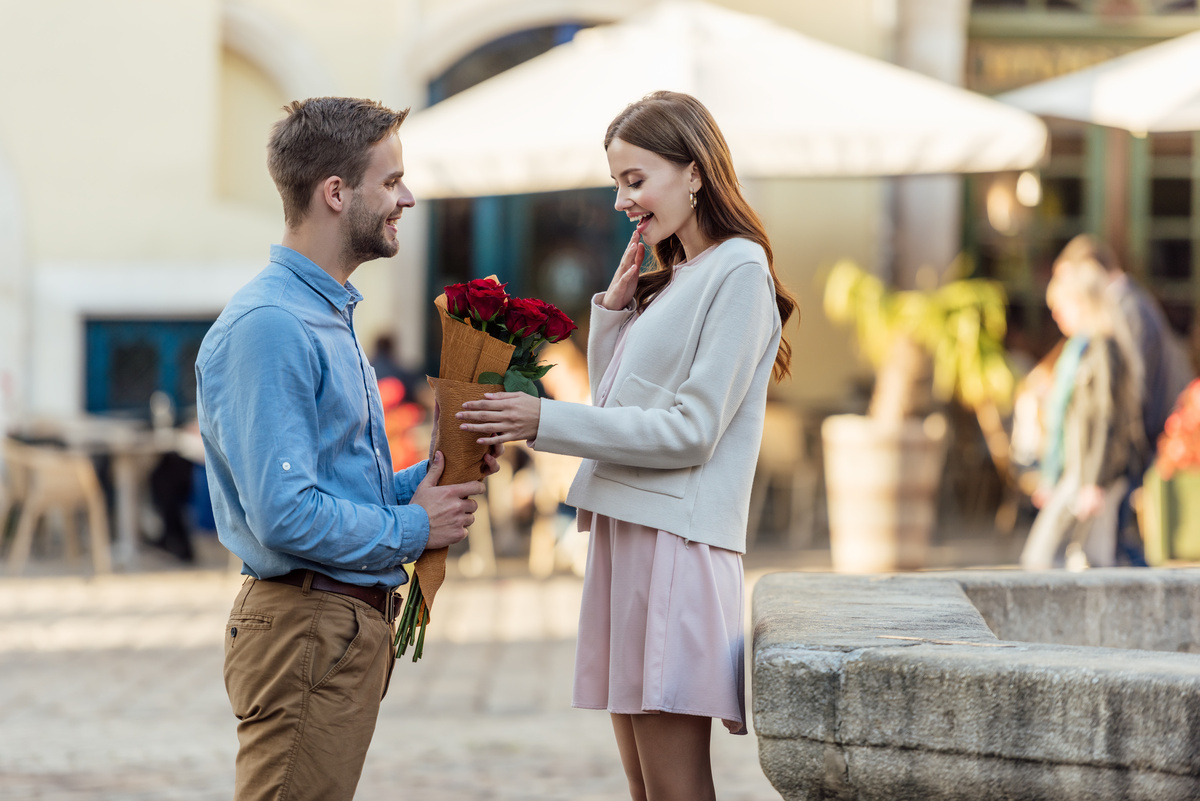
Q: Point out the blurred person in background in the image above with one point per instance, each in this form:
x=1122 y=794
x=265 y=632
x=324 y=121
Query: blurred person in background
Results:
x=1166 y=367
x=386 y=365
x=1094 y=437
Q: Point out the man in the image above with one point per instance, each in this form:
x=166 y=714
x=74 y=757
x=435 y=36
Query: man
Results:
x=298 y=463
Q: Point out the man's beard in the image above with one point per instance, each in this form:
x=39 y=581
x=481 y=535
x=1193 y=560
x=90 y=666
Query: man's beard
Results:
x=366 y=238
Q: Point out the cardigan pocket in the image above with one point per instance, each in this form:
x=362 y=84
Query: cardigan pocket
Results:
x=673 y=482
x=637 y=391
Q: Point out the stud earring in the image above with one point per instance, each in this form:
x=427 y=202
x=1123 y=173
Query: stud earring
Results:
x=692 y=198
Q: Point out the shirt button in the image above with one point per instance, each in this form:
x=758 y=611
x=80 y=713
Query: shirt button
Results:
x=287 y=465
x=377 y=451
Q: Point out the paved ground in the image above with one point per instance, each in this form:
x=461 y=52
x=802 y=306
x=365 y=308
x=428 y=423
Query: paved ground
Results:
x=110 y=688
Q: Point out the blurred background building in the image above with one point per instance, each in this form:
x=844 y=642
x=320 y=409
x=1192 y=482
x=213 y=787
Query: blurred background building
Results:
x=1138 y=192
x=134 y=197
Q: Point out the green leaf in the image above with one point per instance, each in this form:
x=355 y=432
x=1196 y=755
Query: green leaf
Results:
x=515 y=382
x=491 y=378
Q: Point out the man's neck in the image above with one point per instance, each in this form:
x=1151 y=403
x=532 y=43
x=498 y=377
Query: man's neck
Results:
x=322 y=249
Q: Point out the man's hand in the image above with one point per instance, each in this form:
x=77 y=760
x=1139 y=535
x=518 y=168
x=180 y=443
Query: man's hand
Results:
x=450 y=508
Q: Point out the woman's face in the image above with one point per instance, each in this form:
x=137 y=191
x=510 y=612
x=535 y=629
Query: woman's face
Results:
x=1068 y=313
x=654 y=191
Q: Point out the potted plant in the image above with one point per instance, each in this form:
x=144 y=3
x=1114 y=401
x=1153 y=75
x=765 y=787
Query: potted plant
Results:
x=883 y=470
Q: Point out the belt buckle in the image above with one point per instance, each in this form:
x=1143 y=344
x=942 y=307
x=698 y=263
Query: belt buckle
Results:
x=392 y=604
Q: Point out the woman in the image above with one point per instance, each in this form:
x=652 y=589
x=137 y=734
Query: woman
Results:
x=679 y=361
x=1093 y=425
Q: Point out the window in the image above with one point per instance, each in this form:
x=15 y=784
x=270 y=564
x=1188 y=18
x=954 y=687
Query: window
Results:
x=129 y=360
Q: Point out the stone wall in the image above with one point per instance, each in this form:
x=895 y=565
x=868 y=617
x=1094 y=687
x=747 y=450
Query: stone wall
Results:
x=896 y=688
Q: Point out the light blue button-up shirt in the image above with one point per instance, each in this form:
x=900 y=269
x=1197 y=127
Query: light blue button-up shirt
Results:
x=297 y=459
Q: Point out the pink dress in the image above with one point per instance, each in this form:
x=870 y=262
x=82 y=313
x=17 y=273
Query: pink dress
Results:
x=661 y=623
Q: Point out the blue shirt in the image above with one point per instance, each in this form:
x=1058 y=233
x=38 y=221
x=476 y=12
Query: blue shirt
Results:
x=297 y=459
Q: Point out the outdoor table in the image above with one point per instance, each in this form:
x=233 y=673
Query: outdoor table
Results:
x=133 y=448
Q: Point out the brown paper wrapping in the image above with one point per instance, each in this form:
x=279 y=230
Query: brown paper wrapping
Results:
x=466 y=353
x=464 y=462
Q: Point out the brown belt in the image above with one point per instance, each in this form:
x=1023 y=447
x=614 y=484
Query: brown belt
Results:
x=381 y=599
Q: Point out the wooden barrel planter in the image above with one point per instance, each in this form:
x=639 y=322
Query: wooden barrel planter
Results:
x=882 y=481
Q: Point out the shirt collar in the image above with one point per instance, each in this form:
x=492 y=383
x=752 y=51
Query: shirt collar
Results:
x=321 y=282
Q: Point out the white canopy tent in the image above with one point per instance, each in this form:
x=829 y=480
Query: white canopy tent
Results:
x=789 y=105
x=1154 y=89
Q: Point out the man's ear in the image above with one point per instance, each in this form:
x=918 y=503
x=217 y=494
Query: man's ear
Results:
x=333 y=193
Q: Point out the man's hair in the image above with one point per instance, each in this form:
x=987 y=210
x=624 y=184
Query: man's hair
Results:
x=320 y=137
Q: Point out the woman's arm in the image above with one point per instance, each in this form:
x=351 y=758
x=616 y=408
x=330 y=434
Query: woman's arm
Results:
x=678 y=431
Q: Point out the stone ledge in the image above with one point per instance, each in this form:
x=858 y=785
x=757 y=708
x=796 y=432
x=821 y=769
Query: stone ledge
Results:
x=844 y=709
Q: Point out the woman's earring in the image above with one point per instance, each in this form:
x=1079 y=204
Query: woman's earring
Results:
x=692 y=198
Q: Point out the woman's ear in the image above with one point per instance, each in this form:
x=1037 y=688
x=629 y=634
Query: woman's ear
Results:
x=695 y=181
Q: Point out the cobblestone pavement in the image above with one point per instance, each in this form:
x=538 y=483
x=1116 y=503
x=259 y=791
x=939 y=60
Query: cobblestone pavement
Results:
x=110 y=688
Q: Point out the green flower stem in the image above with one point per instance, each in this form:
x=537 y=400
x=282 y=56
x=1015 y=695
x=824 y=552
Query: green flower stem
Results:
x=420 y=649
x=408 y=618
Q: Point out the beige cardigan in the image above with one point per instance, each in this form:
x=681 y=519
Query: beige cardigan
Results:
x=677 y=445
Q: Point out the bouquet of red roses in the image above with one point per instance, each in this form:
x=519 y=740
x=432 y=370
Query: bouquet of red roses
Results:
x=490 y=343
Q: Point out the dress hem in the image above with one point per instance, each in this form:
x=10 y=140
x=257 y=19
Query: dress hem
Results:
x=724 y=721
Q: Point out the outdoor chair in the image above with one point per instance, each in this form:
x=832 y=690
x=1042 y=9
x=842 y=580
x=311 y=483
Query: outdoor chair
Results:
x=46 y=479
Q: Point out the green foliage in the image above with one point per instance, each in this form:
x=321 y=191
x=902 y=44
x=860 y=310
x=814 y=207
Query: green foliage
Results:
x=518 y=378
x=961 y=325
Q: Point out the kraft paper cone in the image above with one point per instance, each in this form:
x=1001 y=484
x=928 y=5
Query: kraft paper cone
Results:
x=467 y=351
x=463 y=462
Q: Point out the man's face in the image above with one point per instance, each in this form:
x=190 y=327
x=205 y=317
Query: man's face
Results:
x=377 y=203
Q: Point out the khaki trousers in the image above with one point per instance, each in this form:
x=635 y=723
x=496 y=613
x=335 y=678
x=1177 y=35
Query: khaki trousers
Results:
x=305 y=671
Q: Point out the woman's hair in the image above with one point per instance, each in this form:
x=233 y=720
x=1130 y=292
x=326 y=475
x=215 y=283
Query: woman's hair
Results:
x=679 y=128
x=1085 y=247
x=1083 y=281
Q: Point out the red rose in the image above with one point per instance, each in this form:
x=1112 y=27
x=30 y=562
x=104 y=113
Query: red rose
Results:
x=456 y=300
x=523 y=317
x=558 y=325
x=486 y=298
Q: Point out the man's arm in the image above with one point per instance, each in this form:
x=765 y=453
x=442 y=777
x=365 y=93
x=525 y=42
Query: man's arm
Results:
x=263 y=411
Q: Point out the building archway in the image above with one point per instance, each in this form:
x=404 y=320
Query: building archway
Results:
x=434 y=42
x=446 y=36
x=283 y=55
x=558 y=246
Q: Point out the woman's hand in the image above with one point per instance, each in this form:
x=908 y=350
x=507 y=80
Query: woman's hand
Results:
x=624 y=280
x=1089 y=501
x=491 y=460
x=502 y=417
x=1041 y=496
